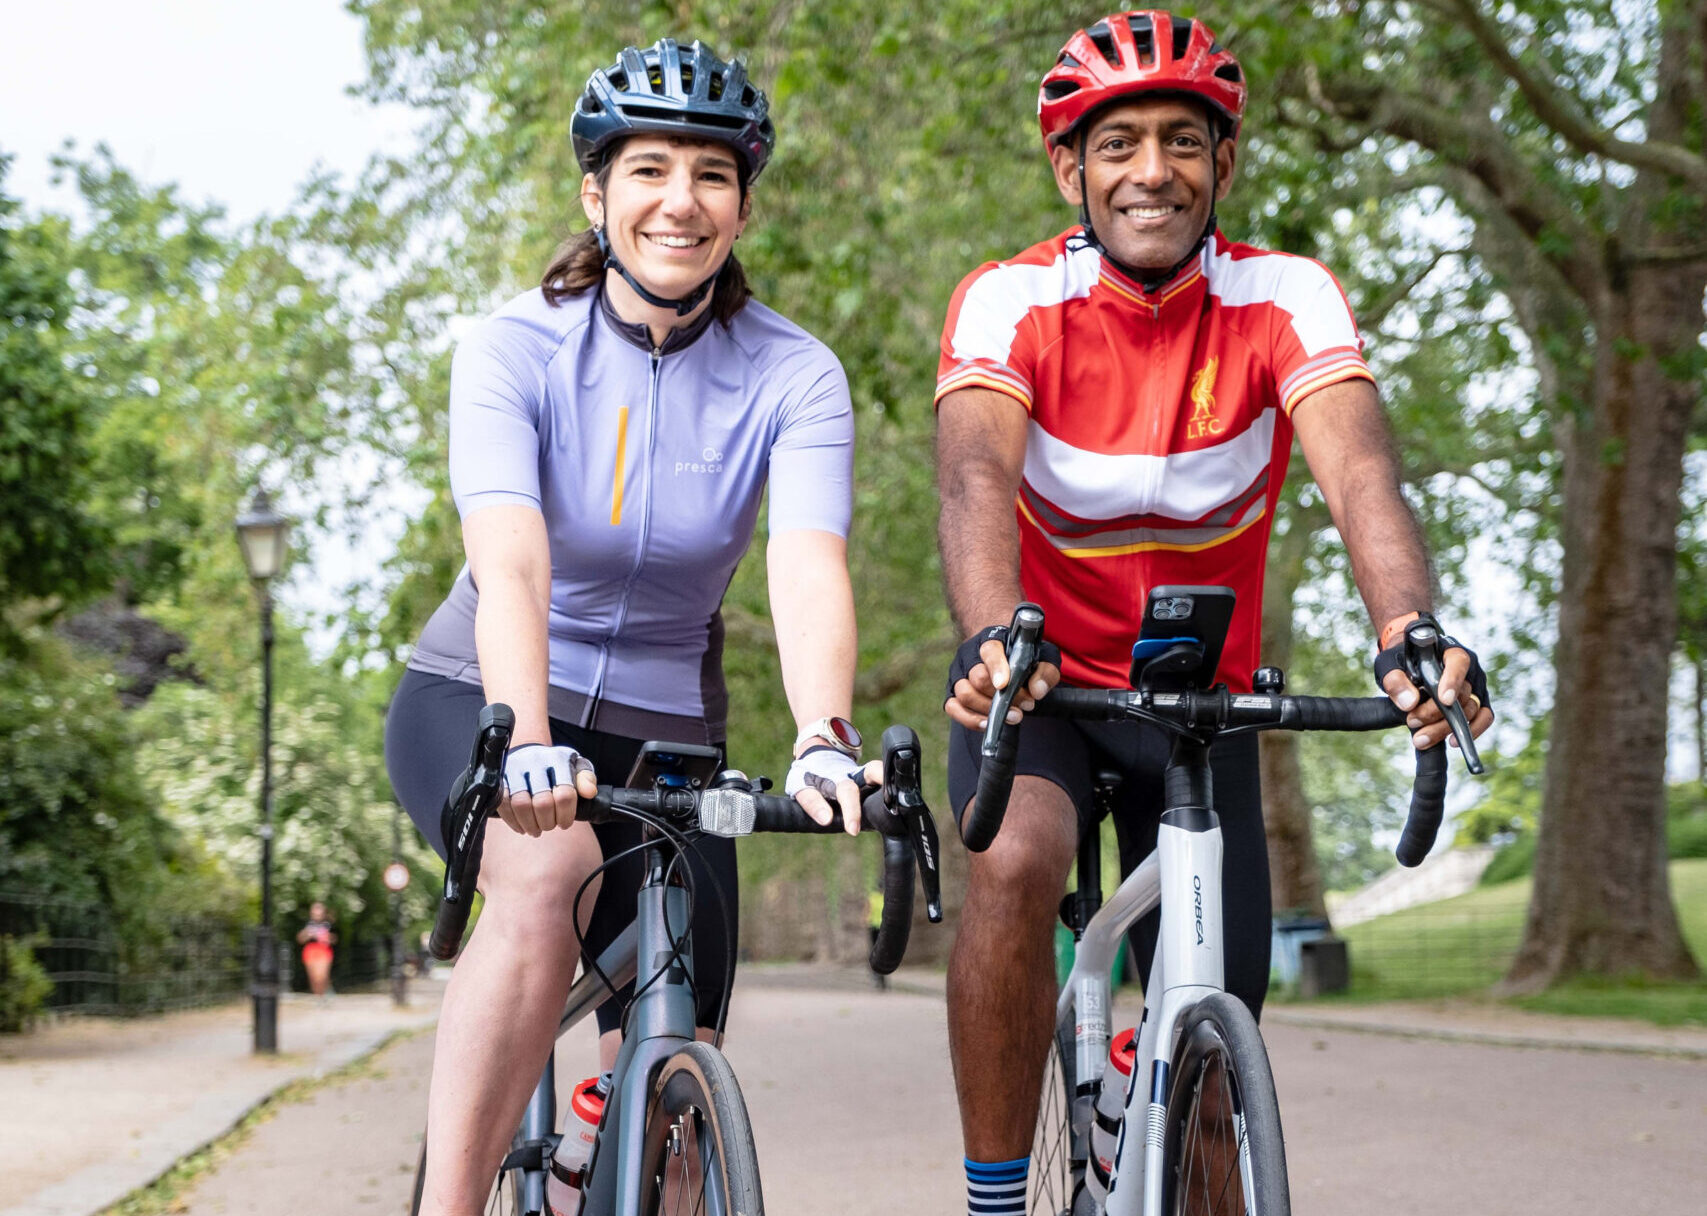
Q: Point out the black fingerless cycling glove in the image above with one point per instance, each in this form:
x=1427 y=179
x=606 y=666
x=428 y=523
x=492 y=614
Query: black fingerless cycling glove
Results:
x=1393 y=659
x=966 y=657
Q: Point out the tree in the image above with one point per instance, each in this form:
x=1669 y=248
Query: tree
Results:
x=1572 y=135
x=49 y=542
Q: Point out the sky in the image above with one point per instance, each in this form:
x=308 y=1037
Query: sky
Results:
x=236 y=100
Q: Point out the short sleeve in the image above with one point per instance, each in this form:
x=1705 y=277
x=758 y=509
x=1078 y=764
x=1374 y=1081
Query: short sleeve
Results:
x=1315 y=337
x=811 y=459
x=988 y=338
x=496 y=387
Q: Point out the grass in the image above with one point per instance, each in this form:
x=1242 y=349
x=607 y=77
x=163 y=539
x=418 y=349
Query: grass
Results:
x=1462 y=946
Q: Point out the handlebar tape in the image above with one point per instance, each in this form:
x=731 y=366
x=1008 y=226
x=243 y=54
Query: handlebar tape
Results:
x=995 y=783
x=897 y=922
x=1428 y=805
x=1339 y=713
x=448 y=929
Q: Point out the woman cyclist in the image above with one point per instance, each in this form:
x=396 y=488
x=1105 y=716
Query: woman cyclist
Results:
x=611 y=433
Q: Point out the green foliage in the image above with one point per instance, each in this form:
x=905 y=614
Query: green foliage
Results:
x=49 y=543
x=24 y=986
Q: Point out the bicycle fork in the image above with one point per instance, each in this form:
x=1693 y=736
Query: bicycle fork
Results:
x=1187 y=967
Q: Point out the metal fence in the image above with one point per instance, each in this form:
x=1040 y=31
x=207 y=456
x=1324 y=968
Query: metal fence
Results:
x=183 y=963
x=1456 y=945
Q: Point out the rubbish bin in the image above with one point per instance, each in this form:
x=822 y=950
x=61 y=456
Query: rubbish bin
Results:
x=1289 y=935
x=1064 y=950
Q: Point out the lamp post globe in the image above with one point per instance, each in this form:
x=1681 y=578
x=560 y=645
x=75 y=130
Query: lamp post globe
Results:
x=264 y=537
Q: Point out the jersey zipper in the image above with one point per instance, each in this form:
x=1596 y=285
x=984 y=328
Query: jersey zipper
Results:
x=655 y=365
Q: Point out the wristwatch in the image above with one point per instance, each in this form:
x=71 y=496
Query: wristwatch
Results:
x=839 y=733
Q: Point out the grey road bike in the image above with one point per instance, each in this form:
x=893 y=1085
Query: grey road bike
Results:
x=674 y=1127
x=1200 y=1130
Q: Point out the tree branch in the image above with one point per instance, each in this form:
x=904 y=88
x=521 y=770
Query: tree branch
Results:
x=1471 y=144
x=1661 y=255
x=1560 y=111
x=1377 y=312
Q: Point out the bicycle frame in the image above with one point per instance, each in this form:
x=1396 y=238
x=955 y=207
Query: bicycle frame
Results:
x=660 y=1022
x=1183 y=876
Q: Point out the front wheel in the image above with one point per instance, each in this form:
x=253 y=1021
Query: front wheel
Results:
x=698 y=1156
x=1057 y=1174
x=1224 y=1151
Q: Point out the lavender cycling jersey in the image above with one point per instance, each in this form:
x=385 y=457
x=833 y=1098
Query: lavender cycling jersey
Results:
x=648 y=465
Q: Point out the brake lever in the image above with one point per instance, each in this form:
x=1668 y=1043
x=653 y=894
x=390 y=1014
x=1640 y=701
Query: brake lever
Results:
x=1424 y=660
x=905 y=799
x=480 y=788
x=1025 y=638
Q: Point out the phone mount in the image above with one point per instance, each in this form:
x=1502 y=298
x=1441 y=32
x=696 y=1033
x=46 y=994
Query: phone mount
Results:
x=1167 y=664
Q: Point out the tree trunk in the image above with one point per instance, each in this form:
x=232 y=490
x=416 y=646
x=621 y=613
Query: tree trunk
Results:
x=1295 y=878
x=1602 y=900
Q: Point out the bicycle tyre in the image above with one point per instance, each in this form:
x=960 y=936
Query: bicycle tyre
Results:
x=504 y=1200
x=696 y=1089
x=1221 y=1093
x=1056 y=1178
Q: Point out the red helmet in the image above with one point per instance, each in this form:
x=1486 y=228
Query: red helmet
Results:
x=1138 y=52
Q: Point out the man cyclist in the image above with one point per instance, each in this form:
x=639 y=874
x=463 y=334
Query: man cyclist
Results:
x=1115 y=411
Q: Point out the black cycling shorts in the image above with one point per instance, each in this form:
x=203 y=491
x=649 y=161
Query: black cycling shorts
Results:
x=429 y=733
x=1069 y=753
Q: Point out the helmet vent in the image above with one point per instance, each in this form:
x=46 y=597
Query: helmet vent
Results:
x=1230 y=71
x=618 y=81
x=1054 y=90
x=1104 y=41
x=687 y=78
x=661 y=114
x=1144 y=37
x=715 y=91
x=1182 y=36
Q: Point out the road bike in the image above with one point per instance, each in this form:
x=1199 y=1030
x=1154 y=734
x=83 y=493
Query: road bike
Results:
x=1199 y=1128
x=674 y=1125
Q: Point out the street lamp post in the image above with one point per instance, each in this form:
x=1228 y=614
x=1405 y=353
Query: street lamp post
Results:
x=263 y=535
x=396 y=879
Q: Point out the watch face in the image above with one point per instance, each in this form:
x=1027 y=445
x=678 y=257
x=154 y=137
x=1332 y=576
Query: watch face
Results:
x=844 y=731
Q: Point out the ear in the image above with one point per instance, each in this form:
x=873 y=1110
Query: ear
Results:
x=593 y=201
x=1064 y=160
x=1226 y=160
x=746 y=209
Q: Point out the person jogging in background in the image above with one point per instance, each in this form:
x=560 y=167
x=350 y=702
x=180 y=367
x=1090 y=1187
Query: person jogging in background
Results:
x=612 y=432
x=316 y=939
x=1115 y=411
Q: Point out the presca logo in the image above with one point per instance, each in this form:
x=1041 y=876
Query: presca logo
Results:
x=710 y=461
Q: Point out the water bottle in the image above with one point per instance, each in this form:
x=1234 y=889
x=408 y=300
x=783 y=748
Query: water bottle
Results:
x=1111 y=1105
x=586 y=1106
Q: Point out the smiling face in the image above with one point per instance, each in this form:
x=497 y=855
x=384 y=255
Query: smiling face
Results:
x=1147 y=178
x=671 y=208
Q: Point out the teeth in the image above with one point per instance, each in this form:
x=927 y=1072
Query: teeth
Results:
x=675 y=242
x=1148 y=213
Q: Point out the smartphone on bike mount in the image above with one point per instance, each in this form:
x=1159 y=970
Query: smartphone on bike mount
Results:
x=1179 y=644
x=674 y=765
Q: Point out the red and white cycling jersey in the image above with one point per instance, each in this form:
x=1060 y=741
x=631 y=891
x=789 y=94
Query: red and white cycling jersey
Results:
x=1160 y=426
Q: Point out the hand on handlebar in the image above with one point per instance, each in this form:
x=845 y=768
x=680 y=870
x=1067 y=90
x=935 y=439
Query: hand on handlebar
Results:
x=820 y=773
x=981 y=668
x=541 y=784
x=1458 y=681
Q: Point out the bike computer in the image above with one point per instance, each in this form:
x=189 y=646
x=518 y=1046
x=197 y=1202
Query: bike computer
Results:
x=689 y=765
x=1179 y=645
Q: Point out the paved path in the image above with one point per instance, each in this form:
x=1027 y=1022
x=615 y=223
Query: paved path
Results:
x=91 y=1109
x=853 y=1110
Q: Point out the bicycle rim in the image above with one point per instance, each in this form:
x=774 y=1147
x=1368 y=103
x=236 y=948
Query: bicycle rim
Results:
x=1054 y=1177
x=698 y=1157
x=1225 y=1154
x=505 y=1198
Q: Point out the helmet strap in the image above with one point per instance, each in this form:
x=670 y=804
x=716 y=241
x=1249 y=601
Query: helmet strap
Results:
x=1148 y=280
x=682 y=307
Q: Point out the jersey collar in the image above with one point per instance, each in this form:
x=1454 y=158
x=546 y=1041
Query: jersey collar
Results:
x=639 y=335
x=1184 y=288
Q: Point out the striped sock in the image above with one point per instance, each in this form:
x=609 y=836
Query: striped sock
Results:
x=996 y=1188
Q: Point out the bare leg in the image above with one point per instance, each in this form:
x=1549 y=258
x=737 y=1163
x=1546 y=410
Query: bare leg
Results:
x=501 y=1007
x=1001 y=974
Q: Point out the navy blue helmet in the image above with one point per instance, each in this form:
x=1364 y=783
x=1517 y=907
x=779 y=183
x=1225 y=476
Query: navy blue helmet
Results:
x=665 y=90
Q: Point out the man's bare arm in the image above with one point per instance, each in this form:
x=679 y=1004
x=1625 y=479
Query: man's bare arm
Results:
x=980 y=456
x=1346 y=439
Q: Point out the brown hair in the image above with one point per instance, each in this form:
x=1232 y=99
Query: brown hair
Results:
x=578 y=266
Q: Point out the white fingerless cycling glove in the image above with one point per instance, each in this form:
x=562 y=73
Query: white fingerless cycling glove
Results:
x=534 y=768
x=820 y=768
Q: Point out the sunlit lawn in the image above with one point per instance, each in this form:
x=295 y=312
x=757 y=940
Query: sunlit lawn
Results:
x=1461 y=946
